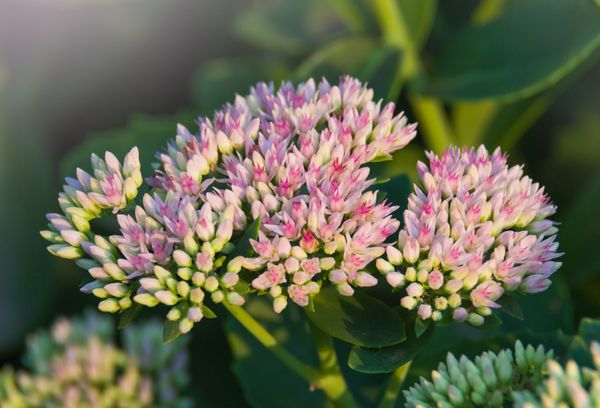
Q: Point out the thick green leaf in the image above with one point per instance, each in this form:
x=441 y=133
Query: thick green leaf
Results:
x=360 y=319
x=129 y=315
x=170 y=331
x=266 y=381
x=217 y=81
x=517 y=54
x=388 y=359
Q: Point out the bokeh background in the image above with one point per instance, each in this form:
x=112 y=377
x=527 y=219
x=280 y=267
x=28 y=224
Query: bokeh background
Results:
x=78 y=76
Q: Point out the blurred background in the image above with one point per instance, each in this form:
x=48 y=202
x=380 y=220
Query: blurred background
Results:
x=78 y=76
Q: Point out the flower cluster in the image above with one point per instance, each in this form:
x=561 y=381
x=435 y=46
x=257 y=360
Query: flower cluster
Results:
x=111 y=186
x=568 y=385
x=489 y=380
x=76 y=364
x=293 y=160
x=474 y=230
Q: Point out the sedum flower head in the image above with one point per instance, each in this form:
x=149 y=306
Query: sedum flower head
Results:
x=292 y=159
x=486 y=381
x=565 y=385
x=474 y=230
x=76 y=364
x=295 y=158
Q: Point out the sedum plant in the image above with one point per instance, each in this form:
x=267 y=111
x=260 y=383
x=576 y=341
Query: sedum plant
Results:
x=273 y=196
x=77 y=364
x=525 y=377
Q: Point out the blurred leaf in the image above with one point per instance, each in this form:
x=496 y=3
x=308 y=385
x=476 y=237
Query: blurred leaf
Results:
x=359 y=319
x=511 y=307
x=419 y=16
x=29 y=286
x=388 y=359
x=509 y=57
x=217 y=81
x=397 y=191
x=471 y=119
x=580 y=233
x=404 y=162
x=589 y=329
x=266 y=382
x=361 y=57
x=288 y=26
x=149 y=133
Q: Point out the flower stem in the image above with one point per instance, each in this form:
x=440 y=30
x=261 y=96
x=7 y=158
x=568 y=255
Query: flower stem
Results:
x=430 y=112
x=332 y=381
x=261 y=334
x=393 y=389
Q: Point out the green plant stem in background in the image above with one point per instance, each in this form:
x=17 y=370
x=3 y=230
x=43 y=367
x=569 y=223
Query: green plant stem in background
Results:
x=261 y=334
x=329 y=379
x=332 y=382
x=429 y=112
x=388 y=400
x=349 y=13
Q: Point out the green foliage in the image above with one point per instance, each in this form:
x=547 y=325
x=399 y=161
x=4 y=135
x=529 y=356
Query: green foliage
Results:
x=266 y=382
x=288 y=26
x=510 y=58
x=149 y=133
x=218 y=80
x=360 y=319
x=387 y=359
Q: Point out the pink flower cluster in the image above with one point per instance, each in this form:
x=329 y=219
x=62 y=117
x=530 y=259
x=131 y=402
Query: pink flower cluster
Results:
x=476 y=230
x=295 y=158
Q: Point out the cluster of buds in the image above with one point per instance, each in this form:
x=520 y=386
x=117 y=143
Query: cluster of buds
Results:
x=76 y=364
x=566 y=386
x=488 y=380
x=169 y=252
x=111 y=186
x=302 y=171
x=474 y=230
x=295 y=160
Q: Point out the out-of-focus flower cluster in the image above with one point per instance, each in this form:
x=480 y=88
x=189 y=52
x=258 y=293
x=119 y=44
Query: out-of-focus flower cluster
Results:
x=76 y=364
x=566 y=386
x=527 y=377
x=486 y=381
x=474 y=230
x=292 y=159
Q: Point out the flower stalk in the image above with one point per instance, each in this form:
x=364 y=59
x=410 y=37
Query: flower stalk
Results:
x=430 y=112
x=332 y=381
x=390 y=395
x=265 y=338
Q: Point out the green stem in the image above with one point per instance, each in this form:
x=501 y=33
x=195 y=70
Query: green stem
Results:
x=433 y=121
x=430 y=112
x=305 y=371
x=332 y=383
x=393 y=389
